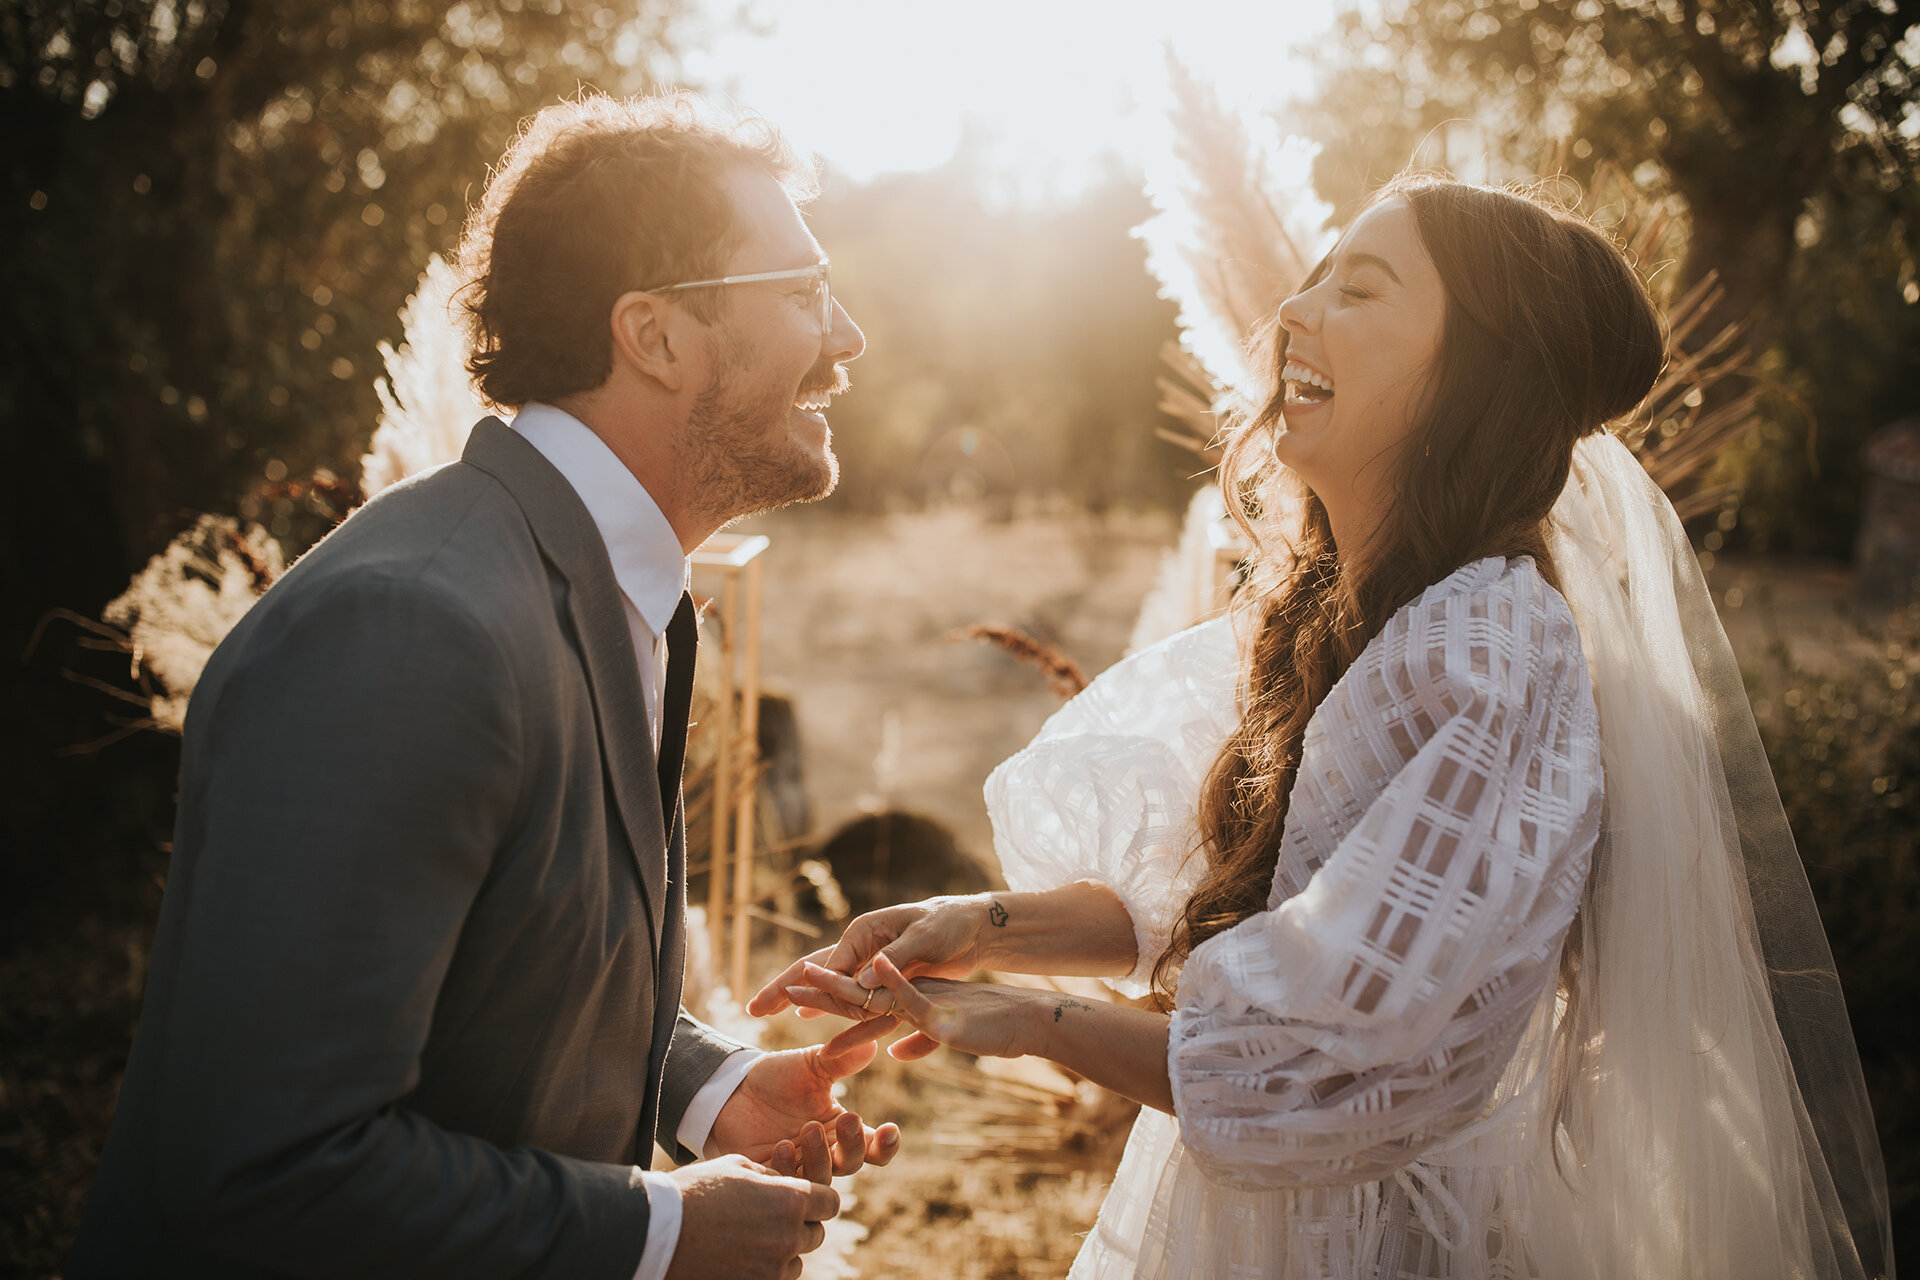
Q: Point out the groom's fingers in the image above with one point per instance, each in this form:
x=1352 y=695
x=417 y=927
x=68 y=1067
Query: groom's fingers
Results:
x=816 y=1162
x=861 y=1033
x=914 y=1047
x=835 y=1062
x=849 y=1145
x=855 y=1145
x=883 y=1144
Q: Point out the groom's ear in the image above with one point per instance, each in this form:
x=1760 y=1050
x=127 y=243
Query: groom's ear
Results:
x=649 y=335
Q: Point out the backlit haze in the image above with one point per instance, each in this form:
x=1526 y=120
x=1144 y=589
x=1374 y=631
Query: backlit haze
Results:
x=1053 y=90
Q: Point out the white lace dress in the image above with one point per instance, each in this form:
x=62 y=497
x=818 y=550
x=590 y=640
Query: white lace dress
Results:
x=1357 y=1070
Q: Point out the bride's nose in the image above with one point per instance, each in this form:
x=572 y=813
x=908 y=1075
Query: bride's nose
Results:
x=1297 y=312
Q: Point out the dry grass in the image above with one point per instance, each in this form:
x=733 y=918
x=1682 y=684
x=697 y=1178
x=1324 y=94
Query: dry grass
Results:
x=996 y=1179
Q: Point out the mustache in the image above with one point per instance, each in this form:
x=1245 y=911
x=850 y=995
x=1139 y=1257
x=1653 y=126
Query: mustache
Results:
x=826 y=377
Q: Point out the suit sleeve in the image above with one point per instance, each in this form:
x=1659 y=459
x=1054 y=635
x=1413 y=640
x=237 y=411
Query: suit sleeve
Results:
x=695 y=1054
x=343 y=797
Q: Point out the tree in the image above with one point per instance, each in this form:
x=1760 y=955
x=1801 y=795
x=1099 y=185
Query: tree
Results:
x=1785 y=132
x=215 y=211
x=1012 y=350
x=1750 y=110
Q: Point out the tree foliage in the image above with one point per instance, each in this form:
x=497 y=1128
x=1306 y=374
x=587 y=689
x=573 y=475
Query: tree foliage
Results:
x=1011 y=350
x=1786 y=133
x=215 y=210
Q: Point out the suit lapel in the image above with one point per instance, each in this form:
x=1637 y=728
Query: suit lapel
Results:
x=572 y=544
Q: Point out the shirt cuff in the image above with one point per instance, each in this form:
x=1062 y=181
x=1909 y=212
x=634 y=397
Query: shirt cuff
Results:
x=696 y=1123
x=663 y=1226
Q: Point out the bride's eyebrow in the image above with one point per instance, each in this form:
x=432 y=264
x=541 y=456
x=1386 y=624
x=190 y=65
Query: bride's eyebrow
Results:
x=1355 y=261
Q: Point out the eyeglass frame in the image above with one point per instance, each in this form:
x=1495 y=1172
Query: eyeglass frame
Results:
x=820 y=270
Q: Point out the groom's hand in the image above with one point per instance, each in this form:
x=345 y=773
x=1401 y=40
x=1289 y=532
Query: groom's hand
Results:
x=740 y=1221
x=784 y=1115
x=937 y=938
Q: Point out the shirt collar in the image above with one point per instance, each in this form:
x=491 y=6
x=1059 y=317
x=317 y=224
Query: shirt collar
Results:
x=647 y=560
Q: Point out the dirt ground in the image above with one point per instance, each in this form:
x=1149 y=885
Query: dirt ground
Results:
x=855 y=630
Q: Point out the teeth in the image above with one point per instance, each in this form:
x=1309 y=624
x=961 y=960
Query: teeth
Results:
x=1300 y=373
x=813 y=403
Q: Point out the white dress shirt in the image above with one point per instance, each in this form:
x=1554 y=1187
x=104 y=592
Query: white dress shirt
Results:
x=652 y=572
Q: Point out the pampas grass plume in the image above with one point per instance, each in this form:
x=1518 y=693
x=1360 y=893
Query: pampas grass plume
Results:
x=426 y=399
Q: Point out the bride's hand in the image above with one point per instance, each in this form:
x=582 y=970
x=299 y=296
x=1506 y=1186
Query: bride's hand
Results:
x=980 y=1018
x=937 y=938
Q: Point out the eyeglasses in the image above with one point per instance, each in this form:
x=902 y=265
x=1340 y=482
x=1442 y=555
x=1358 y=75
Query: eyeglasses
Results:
x=817 y=273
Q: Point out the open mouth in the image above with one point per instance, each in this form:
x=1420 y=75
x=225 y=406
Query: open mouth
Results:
x=826 y=381
x=1306 y=385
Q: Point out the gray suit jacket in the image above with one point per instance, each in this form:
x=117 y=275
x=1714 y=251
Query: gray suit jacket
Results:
x=413 y=1002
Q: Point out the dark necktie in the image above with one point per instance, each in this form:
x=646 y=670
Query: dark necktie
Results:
x=683 y=638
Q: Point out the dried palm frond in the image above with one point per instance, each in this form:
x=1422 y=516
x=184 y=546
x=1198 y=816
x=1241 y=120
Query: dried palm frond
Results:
x=1063 y=674
x=1237 y=224
x=1189 y=394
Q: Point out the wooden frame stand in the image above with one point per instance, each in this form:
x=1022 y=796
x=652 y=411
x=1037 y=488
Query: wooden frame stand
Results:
x=730 y=564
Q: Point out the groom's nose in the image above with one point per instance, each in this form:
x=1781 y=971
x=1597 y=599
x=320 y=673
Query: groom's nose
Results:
x=844 y=340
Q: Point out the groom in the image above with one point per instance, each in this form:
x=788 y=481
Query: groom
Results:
x=413 y=1002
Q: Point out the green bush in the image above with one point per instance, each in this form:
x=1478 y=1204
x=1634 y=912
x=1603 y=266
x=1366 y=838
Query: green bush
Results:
x=1843 y=736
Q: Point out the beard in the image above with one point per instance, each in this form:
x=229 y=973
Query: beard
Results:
x=740 y=449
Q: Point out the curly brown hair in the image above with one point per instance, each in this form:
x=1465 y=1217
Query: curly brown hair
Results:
x=598 y=196
x=1548 y=335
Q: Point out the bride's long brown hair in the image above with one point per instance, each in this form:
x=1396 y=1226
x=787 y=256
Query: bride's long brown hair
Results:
x=1548 y=335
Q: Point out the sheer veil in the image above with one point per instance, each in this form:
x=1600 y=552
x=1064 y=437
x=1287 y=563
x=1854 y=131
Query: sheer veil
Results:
x=1714 y=1118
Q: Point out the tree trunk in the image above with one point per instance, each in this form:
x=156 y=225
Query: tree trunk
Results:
x=1750 y=244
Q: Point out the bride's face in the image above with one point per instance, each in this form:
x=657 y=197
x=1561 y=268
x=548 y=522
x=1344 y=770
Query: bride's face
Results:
x=1360 y=343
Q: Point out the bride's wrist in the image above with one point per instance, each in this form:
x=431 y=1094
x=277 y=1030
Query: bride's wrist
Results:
x=1049 y=1016
x=1036 y=1025
x=987 y=918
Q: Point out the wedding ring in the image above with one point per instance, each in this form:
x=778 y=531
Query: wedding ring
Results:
x=871 y=992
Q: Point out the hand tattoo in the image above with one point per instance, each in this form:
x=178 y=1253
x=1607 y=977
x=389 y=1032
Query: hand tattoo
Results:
x=997 y=914
x=1065 y=1005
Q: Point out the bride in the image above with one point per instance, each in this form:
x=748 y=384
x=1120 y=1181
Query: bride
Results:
x=1475 y=941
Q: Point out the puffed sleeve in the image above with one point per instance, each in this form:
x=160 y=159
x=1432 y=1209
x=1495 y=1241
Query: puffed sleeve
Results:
x=1106 y=791
x=1337 y=1036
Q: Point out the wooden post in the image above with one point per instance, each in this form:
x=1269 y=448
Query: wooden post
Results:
x=749 y=765
x=723 y=776
x=734 y=559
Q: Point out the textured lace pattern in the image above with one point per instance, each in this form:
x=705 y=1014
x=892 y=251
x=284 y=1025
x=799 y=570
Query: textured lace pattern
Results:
x=1107 y=790
x=1357 y=1069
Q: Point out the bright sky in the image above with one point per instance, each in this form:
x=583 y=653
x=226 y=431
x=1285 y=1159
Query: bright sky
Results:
x=878 y=86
